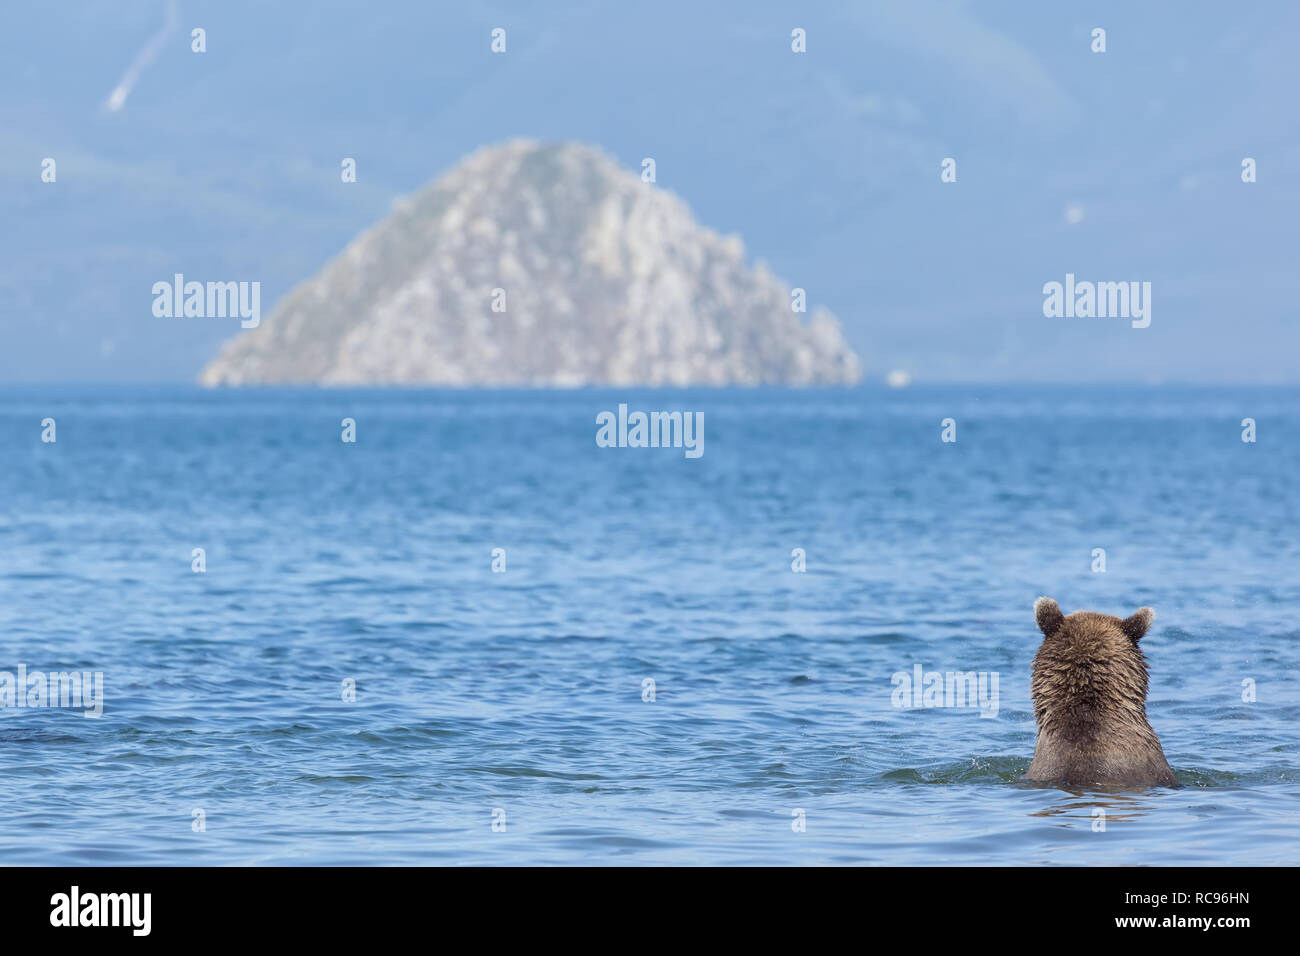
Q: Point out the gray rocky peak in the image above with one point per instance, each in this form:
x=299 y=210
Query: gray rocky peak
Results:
x=603 y=280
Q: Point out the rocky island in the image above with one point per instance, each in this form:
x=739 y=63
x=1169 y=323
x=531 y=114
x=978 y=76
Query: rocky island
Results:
x=539 y=264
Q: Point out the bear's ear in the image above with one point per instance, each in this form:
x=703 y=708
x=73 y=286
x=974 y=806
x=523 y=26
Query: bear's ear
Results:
x=1137 y=625
x=1048 y=615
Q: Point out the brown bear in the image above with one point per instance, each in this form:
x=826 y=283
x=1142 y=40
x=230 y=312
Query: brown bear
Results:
x=1090 y=690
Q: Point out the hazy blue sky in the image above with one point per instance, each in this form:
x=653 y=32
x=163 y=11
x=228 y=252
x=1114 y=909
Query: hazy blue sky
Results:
x=1118 y=166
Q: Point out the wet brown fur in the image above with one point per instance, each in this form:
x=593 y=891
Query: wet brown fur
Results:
x=1090 y=689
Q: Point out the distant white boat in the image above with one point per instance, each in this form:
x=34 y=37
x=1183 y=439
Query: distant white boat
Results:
x=898 y=379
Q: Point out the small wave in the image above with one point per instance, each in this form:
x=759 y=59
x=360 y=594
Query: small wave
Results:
x=970 y=770
x=27 y=735
x=1012 y=769
x=1199 y=777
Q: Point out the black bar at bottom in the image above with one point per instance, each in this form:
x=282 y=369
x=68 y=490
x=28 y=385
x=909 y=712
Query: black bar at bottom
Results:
x=640 y=906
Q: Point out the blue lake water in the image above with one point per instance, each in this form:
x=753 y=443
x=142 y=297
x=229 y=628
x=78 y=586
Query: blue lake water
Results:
x=524 y=691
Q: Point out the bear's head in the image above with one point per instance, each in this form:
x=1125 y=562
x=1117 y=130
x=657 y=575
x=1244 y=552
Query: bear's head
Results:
x=1089 y=674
